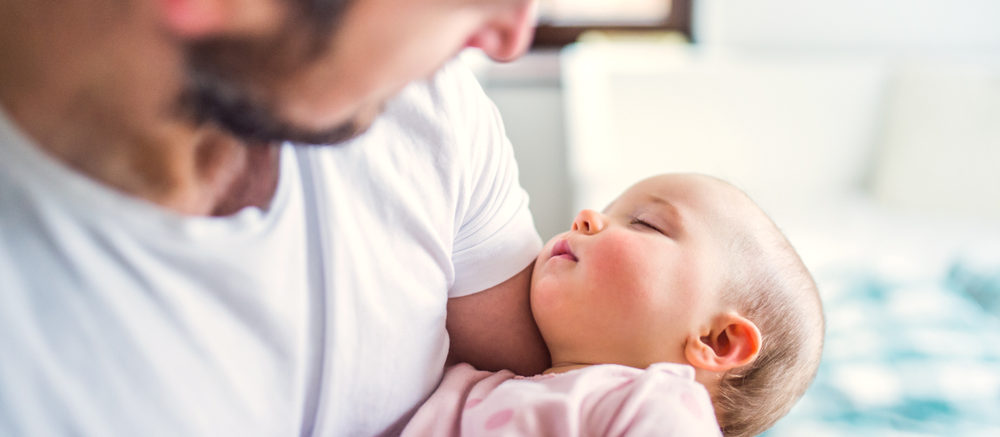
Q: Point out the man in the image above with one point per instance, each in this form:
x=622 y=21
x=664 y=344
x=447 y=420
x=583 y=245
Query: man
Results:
x=171 y=265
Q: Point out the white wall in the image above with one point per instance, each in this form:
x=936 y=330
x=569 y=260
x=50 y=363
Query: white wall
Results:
x=857 y=26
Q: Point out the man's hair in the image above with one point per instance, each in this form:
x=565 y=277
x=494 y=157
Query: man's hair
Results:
x=771 y=286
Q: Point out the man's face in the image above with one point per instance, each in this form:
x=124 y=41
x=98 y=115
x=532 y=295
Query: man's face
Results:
x=306 y=84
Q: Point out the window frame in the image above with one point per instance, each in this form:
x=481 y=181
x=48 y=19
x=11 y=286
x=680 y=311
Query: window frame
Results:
x=555 y=36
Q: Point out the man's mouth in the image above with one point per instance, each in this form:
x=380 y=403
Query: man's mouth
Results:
x=562 y=250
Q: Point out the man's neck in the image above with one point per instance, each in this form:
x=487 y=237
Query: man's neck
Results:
x=98 y=95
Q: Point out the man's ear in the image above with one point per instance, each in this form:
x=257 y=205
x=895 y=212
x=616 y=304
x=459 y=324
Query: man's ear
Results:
x=731 y=342
x=194 y=19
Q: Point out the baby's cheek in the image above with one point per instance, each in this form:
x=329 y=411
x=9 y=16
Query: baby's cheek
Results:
x=624 y=269
x=544 y=292
x=549 y=300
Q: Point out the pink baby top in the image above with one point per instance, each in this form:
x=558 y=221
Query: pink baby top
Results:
x=600 y=400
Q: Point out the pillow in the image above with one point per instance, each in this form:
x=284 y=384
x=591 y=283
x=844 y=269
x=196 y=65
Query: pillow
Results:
x=941 y=145
x=791 y=131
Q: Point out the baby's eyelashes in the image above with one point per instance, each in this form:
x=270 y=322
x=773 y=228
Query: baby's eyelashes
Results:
x=643 y=223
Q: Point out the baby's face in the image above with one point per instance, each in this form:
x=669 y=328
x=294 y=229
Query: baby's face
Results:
x=630 y=284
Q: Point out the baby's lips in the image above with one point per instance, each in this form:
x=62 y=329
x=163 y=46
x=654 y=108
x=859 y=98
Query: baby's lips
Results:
x=562 y=249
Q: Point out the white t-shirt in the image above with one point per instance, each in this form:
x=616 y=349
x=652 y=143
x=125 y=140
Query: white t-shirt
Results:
x=322 y=315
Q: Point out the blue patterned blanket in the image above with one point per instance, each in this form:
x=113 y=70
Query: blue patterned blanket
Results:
x=906 y=358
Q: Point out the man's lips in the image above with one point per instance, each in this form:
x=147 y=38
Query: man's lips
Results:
x=562 y=250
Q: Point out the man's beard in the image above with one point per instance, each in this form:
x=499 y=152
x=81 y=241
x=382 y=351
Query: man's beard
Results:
x=211 y=99
x=224 y=79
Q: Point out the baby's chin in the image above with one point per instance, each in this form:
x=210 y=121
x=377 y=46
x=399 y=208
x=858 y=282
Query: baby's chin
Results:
x=538 y=268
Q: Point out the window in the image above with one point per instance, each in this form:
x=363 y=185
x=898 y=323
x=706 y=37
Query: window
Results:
x=561 y=22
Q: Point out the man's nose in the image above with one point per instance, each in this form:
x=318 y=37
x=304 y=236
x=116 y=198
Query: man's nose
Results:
x=508 y=32
x=589 y=222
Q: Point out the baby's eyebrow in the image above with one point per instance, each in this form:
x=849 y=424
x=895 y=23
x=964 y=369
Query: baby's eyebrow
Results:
x=670 y=211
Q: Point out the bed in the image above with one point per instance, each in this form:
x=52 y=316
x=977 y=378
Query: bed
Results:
x=913 y=326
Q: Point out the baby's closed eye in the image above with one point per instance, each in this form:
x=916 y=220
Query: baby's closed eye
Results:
x=636 y=221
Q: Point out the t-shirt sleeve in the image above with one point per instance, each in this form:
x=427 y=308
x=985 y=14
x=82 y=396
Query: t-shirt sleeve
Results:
x=495 y=236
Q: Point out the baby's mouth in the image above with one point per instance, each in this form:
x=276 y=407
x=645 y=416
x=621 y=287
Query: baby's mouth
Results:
x=562 y=250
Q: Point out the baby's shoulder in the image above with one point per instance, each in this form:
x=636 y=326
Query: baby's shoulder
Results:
x=663 y=399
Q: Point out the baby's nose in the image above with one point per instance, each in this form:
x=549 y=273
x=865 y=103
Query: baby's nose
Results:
x=589 y=222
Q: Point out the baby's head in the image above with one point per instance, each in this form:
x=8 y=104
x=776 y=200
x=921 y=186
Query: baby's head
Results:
x=686 y=269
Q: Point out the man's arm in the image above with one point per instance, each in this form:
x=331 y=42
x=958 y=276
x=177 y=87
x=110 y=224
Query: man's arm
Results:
x=494 y=329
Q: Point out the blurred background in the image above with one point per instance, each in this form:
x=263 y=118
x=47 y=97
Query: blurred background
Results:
x=868 y=129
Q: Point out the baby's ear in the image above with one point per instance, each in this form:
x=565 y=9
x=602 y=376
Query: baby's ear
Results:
x=731 y=342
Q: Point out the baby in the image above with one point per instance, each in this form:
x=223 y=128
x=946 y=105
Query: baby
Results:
x=681 y=299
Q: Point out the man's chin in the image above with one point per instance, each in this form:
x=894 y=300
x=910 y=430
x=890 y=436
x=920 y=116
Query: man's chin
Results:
x=269 y=128
x=268 y=131
x=209 y=100
x=336 y=135
x=355 y=126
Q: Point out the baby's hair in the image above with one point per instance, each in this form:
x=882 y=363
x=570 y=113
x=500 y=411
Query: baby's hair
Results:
x=771 y=286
